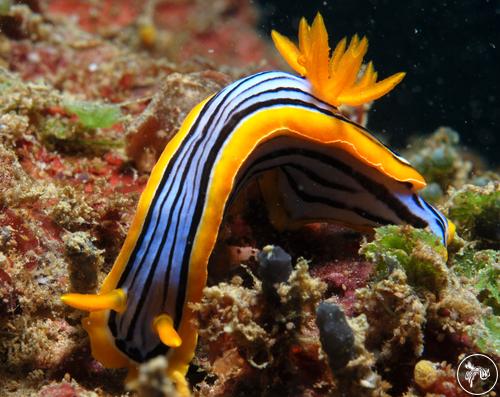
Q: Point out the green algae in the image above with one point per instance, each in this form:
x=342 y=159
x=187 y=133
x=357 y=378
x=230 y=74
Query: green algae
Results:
x=85 y=134
x=5 y=7
x=476 y=211
x=482 y=268
x=489 y=339
x=93 y=114
x=469 y=262
x=22 y=103
x=65 y=135
x=488 y=283
x=418 y=252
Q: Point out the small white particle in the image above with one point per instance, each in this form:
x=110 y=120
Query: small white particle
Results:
x=211 y=50
x=42 y=280
x=34 y=57
x=92 y=67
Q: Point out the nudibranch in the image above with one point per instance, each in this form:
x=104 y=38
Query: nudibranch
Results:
x=312 y=164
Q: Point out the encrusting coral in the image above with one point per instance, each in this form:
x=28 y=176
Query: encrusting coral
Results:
x=251 y=342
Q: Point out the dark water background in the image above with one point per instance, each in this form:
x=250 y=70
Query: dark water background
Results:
x=449 y=49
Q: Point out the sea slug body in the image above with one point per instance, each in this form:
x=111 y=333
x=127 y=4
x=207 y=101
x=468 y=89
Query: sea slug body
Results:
x=312 y=164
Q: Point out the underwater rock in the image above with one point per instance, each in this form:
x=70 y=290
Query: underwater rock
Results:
x=181 y=30
x=178 y=93
x=337 y=337
x=343 y=278
x=84 y=261
x=67 y=192
x=439 y=159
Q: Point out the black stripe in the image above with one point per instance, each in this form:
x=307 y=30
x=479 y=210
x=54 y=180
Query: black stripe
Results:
x=250 y=172
x=315 y=156
x=320 y=180
x=442 y=223
x=309 y=198
x=416 y=200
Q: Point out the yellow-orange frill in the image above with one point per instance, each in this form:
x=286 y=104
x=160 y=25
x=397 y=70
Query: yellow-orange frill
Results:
x=335 y=79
